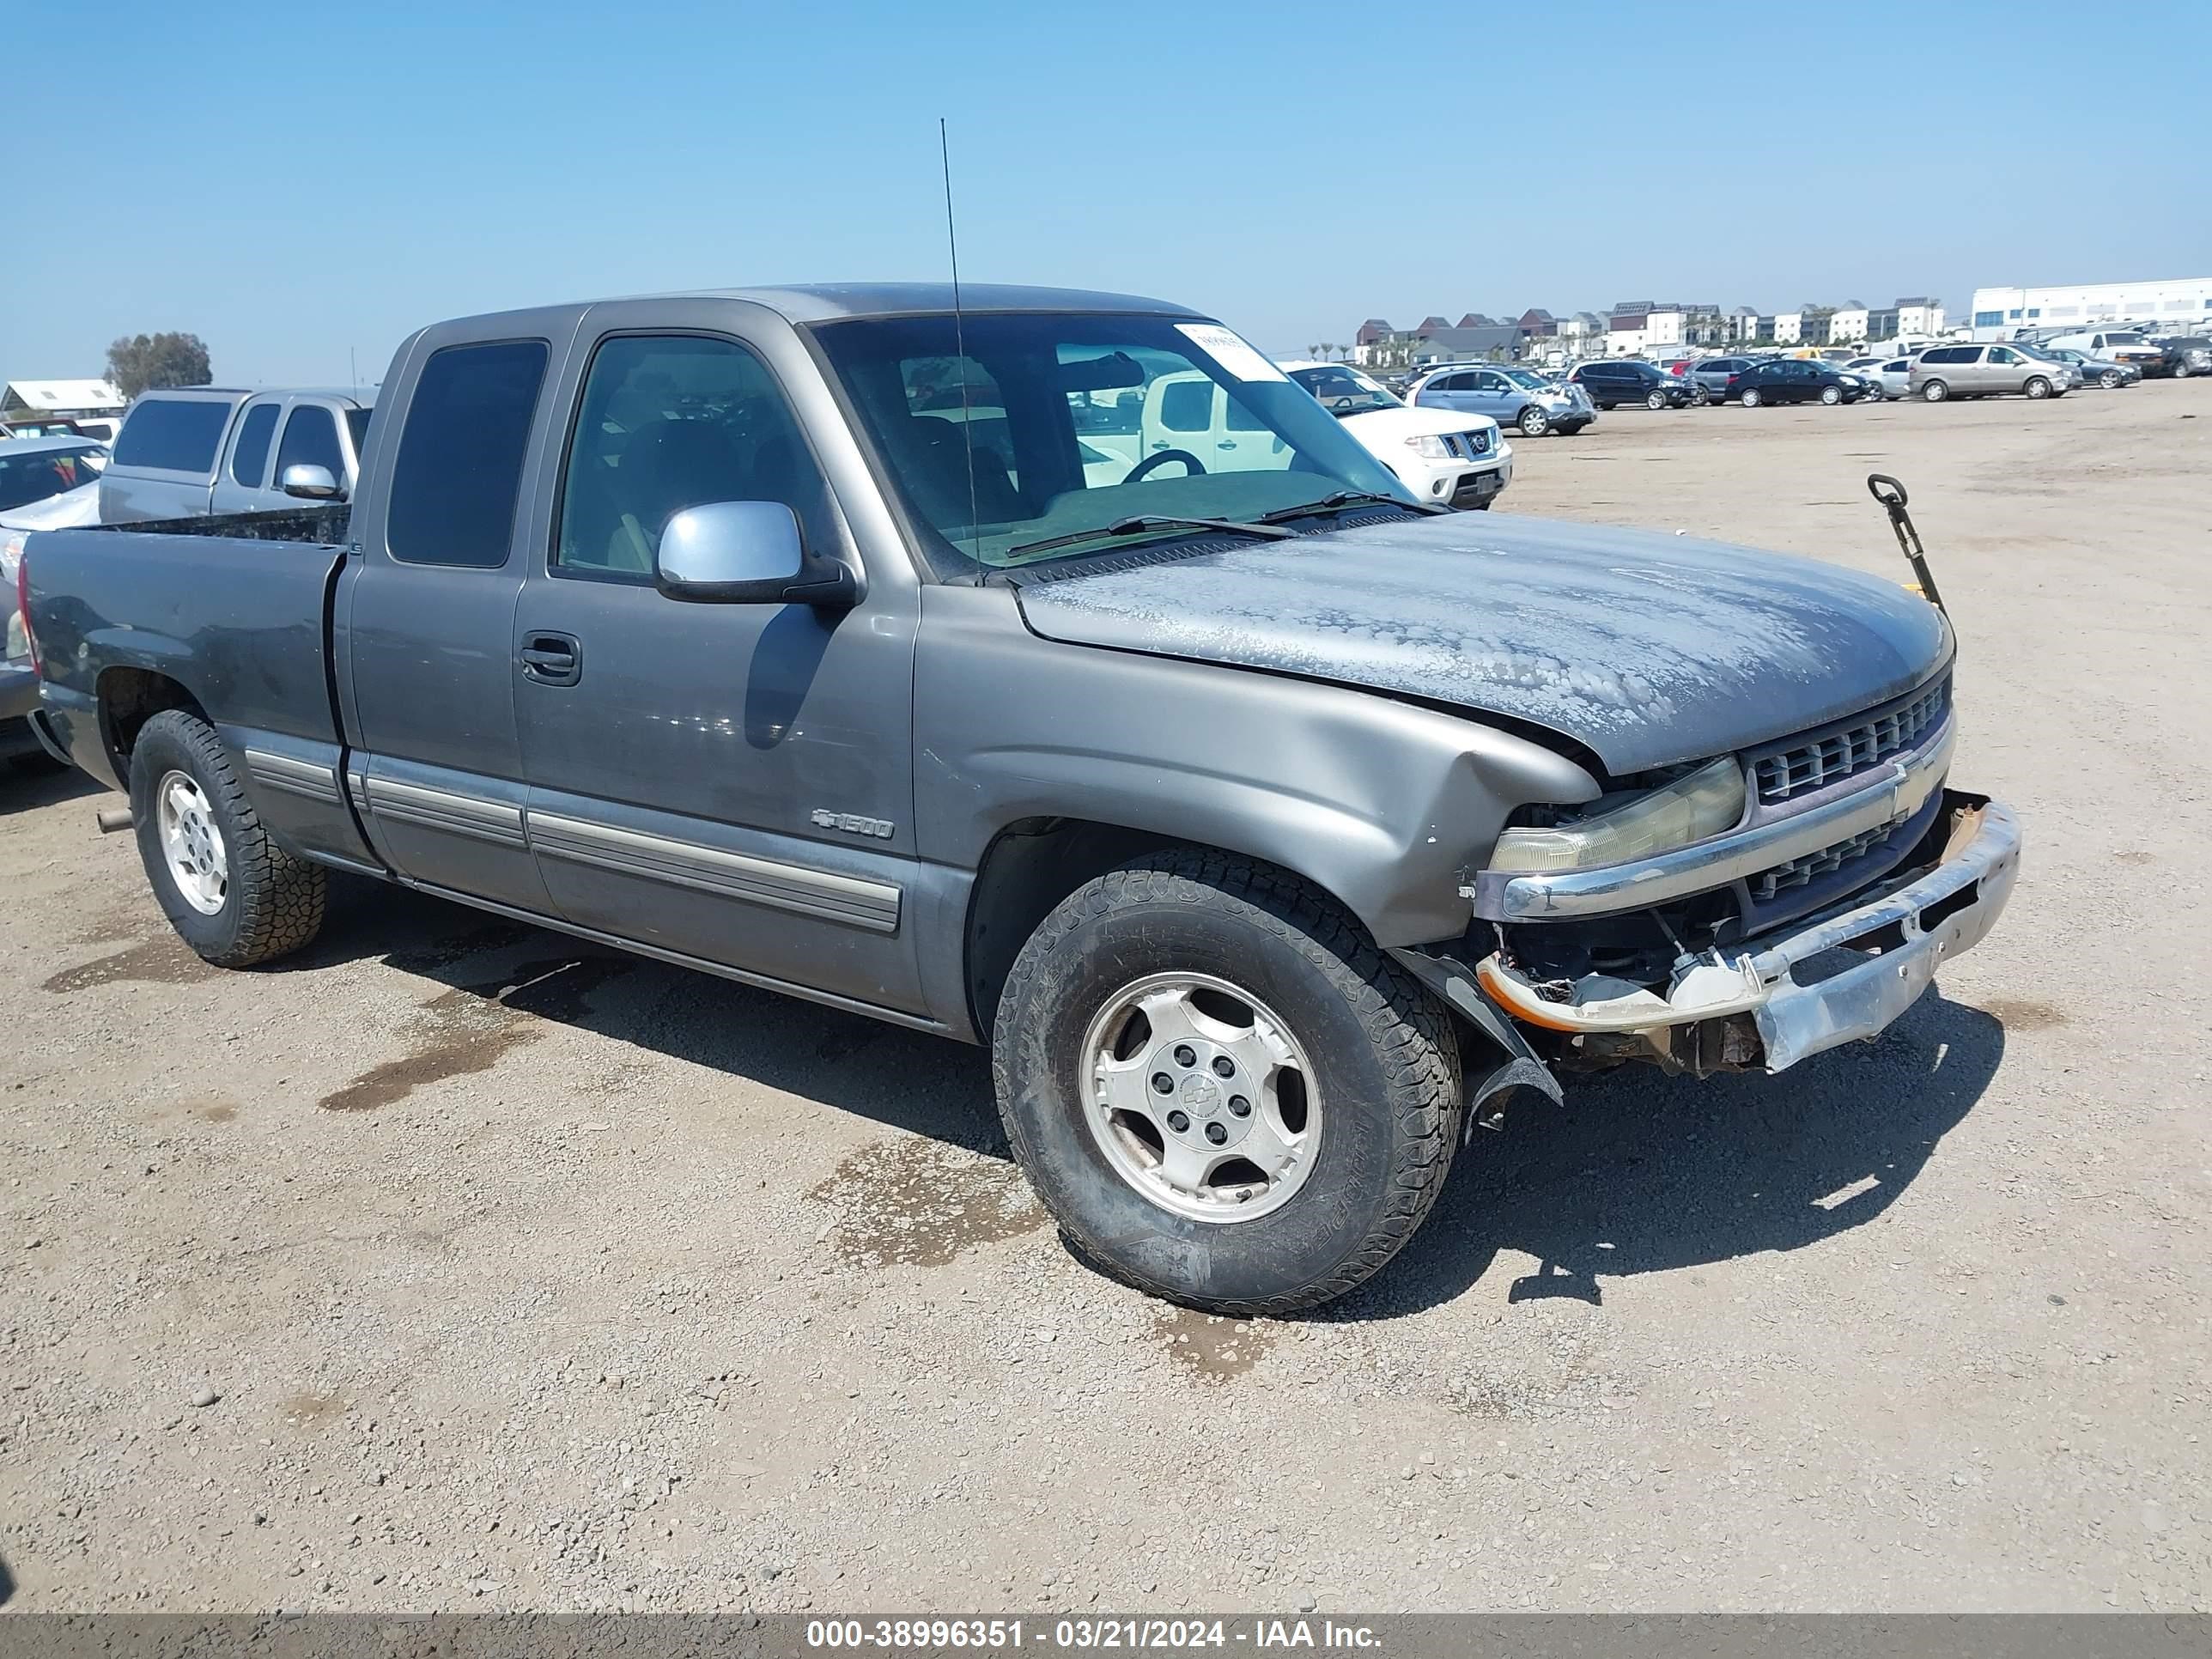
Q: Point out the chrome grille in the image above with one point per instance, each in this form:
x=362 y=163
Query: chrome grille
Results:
x=1467 y=445
x=1800 y=872
x=1824 y=761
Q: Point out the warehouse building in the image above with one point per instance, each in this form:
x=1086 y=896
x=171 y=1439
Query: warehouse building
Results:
x=1999 y=312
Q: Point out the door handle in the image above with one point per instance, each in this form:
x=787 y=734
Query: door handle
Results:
x=1226 y=443
x=552 y=658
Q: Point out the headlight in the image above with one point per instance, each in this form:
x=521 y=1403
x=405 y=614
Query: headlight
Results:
x=1429 y=447
x=1708 y=801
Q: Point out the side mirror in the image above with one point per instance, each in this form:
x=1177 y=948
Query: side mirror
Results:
x=310 y=484
x=746 y=553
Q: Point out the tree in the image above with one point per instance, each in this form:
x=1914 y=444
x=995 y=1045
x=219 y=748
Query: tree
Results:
x=143 y=362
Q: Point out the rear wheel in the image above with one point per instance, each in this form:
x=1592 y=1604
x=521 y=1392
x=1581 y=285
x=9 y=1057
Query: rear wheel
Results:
x=1751 y=399
x=232 y=894
x=1935 y=391
x=1225 y=1093
x=1534 y=423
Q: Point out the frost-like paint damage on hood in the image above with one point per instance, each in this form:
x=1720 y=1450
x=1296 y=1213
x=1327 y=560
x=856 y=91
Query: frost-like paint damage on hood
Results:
x=1646 y=648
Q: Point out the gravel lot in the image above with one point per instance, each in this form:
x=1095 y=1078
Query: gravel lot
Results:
x=453 y=1266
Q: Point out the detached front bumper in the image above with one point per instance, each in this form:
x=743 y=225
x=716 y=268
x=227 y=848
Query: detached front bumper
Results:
x=1749 y=1007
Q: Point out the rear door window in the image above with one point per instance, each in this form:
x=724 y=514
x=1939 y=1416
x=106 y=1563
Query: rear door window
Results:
x=461 y=450
x=249 y=452
x=173 y=435
x=310 y=439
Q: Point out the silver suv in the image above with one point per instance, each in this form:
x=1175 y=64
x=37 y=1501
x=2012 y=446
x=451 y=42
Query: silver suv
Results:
x=1985 y=371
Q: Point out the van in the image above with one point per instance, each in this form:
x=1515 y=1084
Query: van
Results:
x=186 y=452
x=1983 y=371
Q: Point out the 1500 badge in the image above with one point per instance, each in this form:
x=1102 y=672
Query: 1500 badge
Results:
x=853 y=823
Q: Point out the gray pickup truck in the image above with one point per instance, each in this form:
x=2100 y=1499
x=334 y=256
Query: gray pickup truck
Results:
x=1268 y=824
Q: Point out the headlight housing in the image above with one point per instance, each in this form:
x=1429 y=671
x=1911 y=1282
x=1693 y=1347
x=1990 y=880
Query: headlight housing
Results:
x=1705 y=803
x=1429 y=447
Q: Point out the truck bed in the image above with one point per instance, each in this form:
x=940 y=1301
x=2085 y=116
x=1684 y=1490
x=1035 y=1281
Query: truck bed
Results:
x=235 y=611
x=322 y=526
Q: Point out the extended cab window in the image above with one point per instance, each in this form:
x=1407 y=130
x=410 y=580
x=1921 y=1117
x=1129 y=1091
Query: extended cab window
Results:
x=310 y=439
x=460 y=467
x=173 y=435
x=669 y=422
x=249 y=454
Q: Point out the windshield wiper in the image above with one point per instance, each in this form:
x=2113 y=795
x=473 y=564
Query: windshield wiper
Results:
x=1136 y=526
x=1344 y=498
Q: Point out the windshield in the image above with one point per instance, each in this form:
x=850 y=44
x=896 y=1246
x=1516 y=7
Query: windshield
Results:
x=35 y=476
x=1527 y=379
x=999 y=448
x=1344 y=390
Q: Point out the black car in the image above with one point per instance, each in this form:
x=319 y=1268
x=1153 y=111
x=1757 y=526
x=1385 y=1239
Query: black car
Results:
x=1801 y=380
x=2185 y=354
x=1627 y=381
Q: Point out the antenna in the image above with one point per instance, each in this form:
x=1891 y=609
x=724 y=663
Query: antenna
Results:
x=960 y=346
x=353 y=371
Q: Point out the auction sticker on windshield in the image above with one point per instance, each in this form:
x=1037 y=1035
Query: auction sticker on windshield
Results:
x=1229 y=351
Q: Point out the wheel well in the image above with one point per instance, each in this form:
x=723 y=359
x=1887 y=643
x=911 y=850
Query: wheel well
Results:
x=1029 y=869
x=128 y=697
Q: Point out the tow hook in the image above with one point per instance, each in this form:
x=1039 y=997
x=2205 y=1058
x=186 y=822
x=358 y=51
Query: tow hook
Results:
x=1891 y=494
x=112 y=820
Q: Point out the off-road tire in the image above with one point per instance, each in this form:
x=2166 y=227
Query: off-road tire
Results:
x=274 y=903
x=1385 y=1057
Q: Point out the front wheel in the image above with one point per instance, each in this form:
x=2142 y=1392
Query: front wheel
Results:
x=2037 y=387
x=1656 y=400
x=1534 y=423
x=1832 y=395
x=232 y=894
x=2109 y=380
x=1223 y=1090
x=1935 y=391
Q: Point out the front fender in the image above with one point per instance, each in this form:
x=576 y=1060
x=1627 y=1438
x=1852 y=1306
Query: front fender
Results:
x=1387 y=805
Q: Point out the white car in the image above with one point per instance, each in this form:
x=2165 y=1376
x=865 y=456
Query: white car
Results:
x=45 y=483
x=1894 y=373
x=1441 y=455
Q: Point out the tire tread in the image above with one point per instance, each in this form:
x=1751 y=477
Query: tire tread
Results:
x=281 y=898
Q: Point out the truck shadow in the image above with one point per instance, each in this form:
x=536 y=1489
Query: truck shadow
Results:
x=1640 y=1172
x=26 y=789
x=1637 y=1173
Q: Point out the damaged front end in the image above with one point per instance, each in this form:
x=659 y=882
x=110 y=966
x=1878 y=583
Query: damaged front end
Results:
x=1841 y=875
x=1603 y=991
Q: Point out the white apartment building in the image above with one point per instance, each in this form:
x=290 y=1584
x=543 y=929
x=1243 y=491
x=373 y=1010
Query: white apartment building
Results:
x=1788 y=327
x=1918 y=317
x=2184 y=303
x=1847 y=325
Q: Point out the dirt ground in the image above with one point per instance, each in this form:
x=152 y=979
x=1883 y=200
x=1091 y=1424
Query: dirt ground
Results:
x=521 y=1276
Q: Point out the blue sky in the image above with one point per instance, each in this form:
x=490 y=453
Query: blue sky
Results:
x=290 y=181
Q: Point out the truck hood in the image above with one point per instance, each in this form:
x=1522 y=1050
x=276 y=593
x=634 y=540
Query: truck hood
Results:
x=1378 y=430
x=1645 y=648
